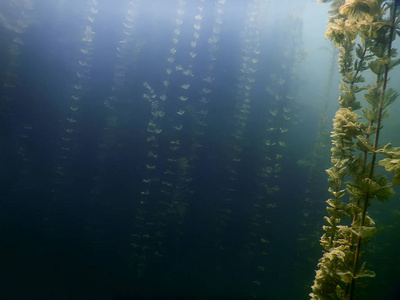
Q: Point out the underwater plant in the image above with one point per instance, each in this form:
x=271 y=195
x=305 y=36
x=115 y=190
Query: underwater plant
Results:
x=363 y=31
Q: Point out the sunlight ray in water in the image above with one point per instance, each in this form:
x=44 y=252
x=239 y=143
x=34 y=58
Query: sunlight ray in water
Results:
x=177 y=149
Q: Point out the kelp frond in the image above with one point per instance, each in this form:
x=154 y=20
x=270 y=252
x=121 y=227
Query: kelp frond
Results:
x=354 y=180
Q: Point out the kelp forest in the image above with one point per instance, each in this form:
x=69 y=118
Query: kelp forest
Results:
x=199 y=149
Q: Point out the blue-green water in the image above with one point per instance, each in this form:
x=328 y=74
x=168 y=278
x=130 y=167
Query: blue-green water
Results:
x=169 y=150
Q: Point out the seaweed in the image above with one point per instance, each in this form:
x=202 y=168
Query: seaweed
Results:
x=363 y=31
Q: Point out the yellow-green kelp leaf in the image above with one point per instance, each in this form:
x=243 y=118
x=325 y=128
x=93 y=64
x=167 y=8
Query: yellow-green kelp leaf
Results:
x=364 y=144
x=390 y=97
x=336 y=194
x=345 y=122
x=373 y=96
x=396 y=179
x=389 y=151
x=366 y=189
x=363 y=272
x=325 y=240
x=370 y=114
x=385 y=191
x=392 y=162
x=392 y=165
x=393 y=63
x=377 y=67
x=332 y=221
x=337 y=212
x=339 y=31
x=346 y=277
x=347 y=234
x=336 y=173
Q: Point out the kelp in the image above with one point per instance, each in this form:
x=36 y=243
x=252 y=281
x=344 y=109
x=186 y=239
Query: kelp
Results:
x=392 y=162
x=363 y=31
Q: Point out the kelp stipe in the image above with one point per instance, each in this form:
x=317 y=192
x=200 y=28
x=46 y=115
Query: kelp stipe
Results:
x=355 y=145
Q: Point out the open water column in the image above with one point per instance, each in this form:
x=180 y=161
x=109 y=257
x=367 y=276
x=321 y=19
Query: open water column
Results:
x=177 y=149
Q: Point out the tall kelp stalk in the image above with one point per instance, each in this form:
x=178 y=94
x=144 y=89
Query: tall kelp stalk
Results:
x=363 y=31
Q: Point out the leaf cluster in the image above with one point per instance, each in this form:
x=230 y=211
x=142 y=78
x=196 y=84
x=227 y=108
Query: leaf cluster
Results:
x=392 y=162
x=332 y=265
x=366 y=189
x=353 y=145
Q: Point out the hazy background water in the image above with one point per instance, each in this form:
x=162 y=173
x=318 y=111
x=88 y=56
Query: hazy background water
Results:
x=169 y=150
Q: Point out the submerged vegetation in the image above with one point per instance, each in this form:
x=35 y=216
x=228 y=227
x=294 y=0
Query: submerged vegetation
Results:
x=363 y=31
x=159 y=139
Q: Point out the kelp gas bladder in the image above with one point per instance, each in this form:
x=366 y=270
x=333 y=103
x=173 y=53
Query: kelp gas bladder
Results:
x=363 y=31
